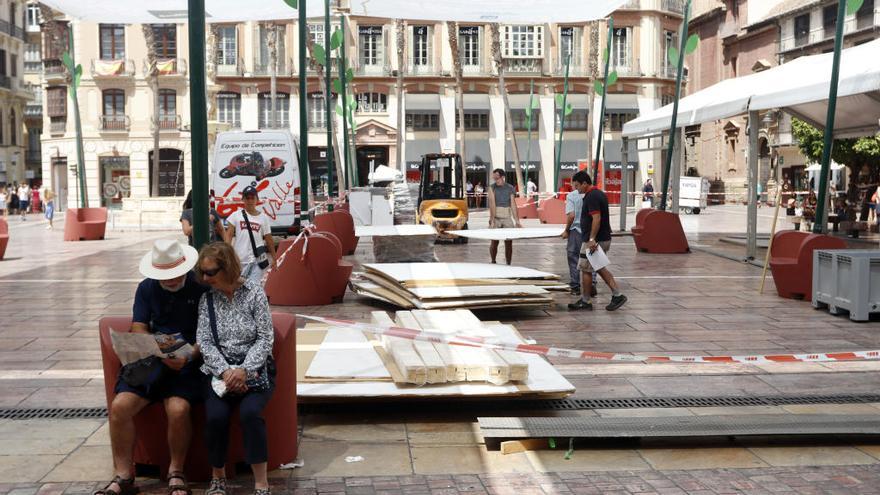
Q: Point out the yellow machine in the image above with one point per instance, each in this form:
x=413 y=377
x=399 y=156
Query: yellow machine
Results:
x=442 y=201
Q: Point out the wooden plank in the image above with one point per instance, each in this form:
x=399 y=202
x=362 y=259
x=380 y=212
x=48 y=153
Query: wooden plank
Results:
x=456 y=369
x=394 y=230
x=524 y=445
x=403 y=272
x=510 y=234
x=375 y=291
x=460 y=292
x=407 y=360
x=435 y=367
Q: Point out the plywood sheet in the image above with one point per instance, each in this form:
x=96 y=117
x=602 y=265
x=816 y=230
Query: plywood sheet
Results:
x=430 y=293
x=393 y=230
x=406 y=272
x=346 y=353
x=511 y=234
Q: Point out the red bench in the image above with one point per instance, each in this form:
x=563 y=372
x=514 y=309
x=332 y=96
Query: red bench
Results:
x=526 y=208
x=341 y=224
x=85 y=224
x=317 y=278
x=791 y=261
x=151 y=446
x=659 y=232
x=552 y=211
x=4 y=237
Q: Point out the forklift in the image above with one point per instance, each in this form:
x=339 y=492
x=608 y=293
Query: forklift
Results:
x=442 y=200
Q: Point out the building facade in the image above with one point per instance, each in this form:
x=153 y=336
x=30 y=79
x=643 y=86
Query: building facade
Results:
x=116 y=98
x=14 y=92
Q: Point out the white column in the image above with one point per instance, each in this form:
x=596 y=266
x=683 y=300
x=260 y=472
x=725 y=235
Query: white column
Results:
x=546 y=143
x=447 y=123
x=250 y=111
x=752 y=217
x=497 y=138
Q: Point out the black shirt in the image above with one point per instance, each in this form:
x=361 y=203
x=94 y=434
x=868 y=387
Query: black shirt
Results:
x=596 y=201
x=169 y=312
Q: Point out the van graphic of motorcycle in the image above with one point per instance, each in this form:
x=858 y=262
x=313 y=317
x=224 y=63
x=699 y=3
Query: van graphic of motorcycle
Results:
x=253 y=164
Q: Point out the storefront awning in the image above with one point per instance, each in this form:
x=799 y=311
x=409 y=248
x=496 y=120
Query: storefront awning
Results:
x=613 y=156
x=416 y=148
x=476 y=102
x=534 y=162
x=479 y=158
x=422 y=102
x=572 y=151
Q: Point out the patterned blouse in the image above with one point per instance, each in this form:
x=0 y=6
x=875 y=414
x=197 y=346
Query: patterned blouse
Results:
x=244 y=326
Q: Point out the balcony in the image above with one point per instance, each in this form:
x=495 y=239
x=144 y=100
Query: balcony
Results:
x=32 y=157
x=428 y=69
x=628 y=68
x=575 y=70
x=373 y=70
x=168 y=67
x=34 y=110
x=168 y=123
x=58 y=125
x=475 y=69
x=112 y=68
x=228 y=68
x=283 y=69
x=674 y=6
x=53 y=70
x=523 y=66
x=668 y=72
x=115 y=123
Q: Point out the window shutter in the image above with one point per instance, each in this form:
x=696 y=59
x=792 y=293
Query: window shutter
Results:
x=539 y=41
x=505 y=41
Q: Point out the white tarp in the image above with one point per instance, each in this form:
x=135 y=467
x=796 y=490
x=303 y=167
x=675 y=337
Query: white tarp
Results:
x=157 y=11
x=800 y=87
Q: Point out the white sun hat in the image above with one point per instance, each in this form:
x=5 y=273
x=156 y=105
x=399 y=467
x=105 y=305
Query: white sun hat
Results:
x=168 y=259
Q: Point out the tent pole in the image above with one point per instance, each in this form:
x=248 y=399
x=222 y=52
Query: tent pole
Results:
x=197 y=108
x=820 y=224
x=682 y=45
x=600 y=132
x=328 y=65
x=675 y=174
x=624 y=184
x=561 y=124
x=770 y=241
x=303 y=31
x=752 y=227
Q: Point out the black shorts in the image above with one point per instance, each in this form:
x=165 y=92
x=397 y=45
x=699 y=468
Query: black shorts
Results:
x=185 y=384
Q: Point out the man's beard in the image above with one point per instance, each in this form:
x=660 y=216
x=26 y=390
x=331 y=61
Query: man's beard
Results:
x=174 y=289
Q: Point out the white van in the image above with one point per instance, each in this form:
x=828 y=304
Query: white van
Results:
x=267 y=160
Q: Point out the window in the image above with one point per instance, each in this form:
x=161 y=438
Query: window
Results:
x=12 y=14
x=371 y=102
x=165 y=40
x=229 y=109
x=469 y=45
x=371 y=43
x=167 y=109
x=1 y=130
x=56 y=40
x=614 y=120
x=670 y=38
x=282 y=104
x=478 y=121
x=865 y=15
x=569 y=45
x=621 y=48
x=829 y=20
x=666 y=100
x=317 y=111
x=227 y=45
x=523 y=41
x=13 y=131
x=113 y=118
x=802 y=30
x=13 y=65
x=422 y=121
x=112 y=41
x=420 y=47
x=34 y=145
x=577 y=119
x=32 y=16
x=171 y=172
x=520 y=121
x=56 y=99
x=2 y=62
x=264 y=58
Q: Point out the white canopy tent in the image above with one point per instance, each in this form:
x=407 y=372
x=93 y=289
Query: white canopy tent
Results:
x=512 y=11
x=800 y=87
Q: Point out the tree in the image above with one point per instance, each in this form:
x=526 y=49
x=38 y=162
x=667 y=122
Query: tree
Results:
x=153 y=77
x=401 y=126
x=502 y=87
x=452 y=29
x=855 y=153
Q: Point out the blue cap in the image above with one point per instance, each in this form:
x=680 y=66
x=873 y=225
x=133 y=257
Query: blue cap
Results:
x=248 y=191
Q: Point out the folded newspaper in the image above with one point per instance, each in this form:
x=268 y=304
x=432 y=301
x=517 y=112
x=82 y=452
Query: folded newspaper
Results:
x=131 y=347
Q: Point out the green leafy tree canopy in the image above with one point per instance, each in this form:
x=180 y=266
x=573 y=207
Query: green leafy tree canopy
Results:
x=850 y=152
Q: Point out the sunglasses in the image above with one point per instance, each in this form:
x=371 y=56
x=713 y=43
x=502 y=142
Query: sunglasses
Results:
x=211 y=273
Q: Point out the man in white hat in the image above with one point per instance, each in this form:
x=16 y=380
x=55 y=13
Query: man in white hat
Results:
x=166 y=302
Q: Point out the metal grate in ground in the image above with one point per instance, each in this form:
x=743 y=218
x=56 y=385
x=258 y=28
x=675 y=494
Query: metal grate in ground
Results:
x=55 y=413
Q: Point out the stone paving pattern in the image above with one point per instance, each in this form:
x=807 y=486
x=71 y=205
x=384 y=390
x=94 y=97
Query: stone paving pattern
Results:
x=52 y=294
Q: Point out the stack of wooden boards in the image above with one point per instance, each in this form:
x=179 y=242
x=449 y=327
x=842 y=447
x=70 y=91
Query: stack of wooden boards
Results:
x=456 y=285
x=342 y=363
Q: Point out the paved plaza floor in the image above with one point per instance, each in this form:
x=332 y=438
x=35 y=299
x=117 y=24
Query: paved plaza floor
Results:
x=52 y=294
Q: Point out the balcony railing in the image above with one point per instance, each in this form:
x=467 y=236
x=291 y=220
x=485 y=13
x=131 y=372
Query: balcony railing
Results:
x=33 y=110
x=373 y=70
x=112 y=68
x=629 y=68
x=167 y=67
x=225 y=69
x=474 y=70
x=676 y=6
x=5 y=82
x=58 y=126
x=168 y=122
x=115 y=123
x=423 y=69
x=516 y=66
x=576 y=70
x=283 y=69
x=33 y=67
x=668 y=72
x=53 y=69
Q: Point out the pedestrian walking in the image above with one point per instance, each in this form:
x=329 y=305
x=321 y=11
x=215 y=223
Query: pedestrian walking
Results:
x=647 y=194
x=235 y=336
x=502 y=212
x=3 y=198
x=470 y=193
x=49 y=200
x=250 y=234
x=24 y=194
x=13 y=199
x=596 y=225
x=479 y=190
x=215 y=225
x=574 y=235
x=532 y=191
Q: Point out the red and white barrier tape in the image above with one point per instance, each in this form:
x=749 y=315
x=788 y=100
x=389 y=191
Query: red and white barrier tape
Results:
x=302 y=235
x=467 y=341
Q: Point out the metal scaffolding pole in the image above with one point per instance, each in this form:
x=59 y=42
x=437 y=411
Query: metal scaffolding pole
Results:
x=198 y=112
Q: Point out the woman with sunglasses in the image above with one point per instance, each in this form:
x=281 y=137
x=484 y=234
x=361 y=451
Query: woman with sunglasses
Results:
x=235 y=334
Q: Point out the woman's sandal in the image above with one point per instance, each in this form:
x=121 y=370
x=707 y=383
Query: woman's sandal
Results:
x=178 y=487
x=126 y=487
x=262 y=491
x=217 y=487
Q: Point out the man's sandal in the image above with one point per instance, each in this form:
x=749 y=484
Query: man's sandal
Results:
x=217 y=487
x=178 y=487
x=126 y=487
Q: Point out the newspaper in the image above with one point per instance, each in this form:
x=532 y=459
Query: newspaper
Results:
x=598 y=259
x=131 y=347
